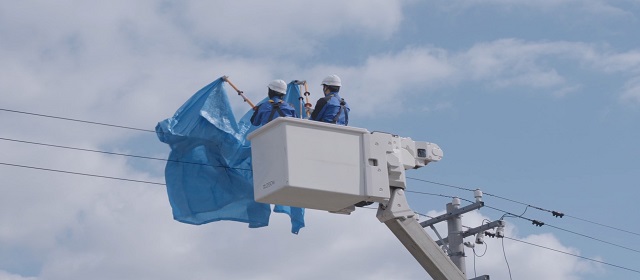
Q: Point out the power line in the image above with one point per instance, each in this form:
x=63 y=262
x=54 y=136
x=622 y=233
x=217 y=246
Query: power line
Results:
x=590 y=237
x=486 y=193
x=76 y=120
x=539 y=223
x=554 y=213
x=556 y=250
x=602 y=225
x=82 y=174
x=504 y=252
x=441 y=184
x=520 y=216
x=574 y=255
x=118 y=154
x=433 y=194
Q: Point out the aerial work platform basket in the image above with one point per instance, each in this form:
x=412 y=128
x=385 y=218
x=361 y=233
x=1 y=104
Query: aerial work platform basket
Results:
x=330 y=167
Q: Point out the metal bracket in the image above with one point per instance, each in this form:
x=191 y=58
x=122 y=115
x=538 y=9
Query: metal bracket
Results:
x=440 y=241
x=474 y=231
x=446 y=216
x=457 y=254
x=345 y=211
x=396 y=208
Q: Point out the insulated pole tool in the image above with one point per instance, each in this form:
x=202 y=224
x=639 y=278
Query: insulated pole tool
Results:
x=307 y=105
x=241 y=93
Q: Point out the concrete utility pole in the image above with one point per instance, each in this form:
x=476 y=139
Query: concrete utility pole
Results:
x=456 y=246
x=454 y=242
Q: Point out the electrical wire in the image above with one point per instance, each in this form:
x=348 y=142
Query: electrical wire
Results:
x=479 y=256
x=537 y=245
x=82 y=174
x=504 y=252
x=475 y=274
x=118 y=154
x=441 y=184
x=570 y=254
x=483 y=253
x=538 y=223
x=554 y=213
x=603 y=225
x=433 y=194
x=75 y=120
x=593 y=238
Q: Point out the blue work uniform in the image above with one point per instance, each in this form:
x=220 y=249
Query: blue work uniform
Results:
x=331 y=109
x=271 y=109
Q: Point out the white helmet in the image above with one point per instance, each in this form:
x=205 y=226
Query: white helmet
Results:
x=332 y=80
x=279 y=86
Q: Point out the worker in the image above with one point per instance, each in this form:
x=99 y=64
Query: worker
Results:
x=275 y=106
x=331 y=108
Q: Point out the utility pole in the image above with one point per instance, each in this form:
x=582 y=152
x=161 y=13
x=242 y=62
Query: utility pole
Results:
x=456 y=246
x=453 y=243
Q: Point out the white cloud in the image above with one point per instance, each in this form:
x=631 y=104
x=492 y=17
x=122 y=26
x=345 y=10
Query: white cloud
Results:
x=593 y=7
x=387 y=82
x=384 y=82
x=632 y=91
x=511 y=61
x=283 y=27
x=620 y=62
x=540 y=65
x=122 y=55
x=156 y=54
x=8 y=276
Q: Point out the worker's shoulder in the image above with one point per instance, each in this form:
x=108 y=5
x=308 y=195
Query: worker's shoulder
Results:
x=322 y=100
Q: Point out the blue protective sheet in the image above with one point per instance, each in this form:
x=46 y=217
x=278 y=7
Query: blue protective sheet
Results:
x=208 y=173
x=292 y=97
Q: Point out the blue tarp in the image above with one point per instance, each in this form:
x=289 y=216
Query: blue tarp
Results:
x=208 y=173
x=293 y=98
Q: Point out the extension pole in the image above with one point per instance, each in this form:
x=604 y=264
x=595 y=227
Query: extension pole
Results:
x=300 y=98
x=226 y=79
x=307 y=105
x=456 y=246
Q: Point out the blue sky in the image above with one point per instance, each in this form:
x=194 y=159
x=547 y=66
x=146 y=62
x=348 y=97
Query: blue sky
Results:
x=534 y=101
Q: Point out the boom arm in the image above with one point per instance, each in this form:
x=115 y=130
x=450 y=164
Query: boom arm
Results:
x=401 y=221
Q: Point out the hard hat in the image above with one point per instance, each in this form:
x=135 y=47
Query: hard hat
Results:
x=332 y=80
x=279 y=86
